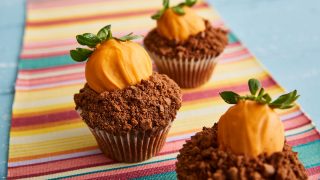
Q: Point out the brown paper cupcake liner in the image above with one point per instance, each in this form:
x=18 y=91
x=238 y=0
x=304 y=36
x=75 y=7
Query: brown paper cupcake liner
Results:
x=130 y=147
x=187 y=73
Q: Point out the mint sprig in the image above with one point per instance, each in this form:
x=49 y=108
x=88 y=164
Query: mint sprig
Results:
x=128 y=37
x=92 y=40
x=178 y=9
x=105 y=33
x=80 y=54
x=88 y=39
x=258 y=94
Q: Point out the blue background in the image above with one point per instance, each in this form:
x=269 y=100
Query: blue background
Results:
x=283 y=34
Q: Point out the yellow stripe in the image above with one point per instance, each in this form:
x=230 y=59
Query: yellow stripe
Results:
x=28 y=111
x=187 y=106
x=46 y=147
x=222 y=70
x=180 y=126
x=67 y=31
x=91 y=9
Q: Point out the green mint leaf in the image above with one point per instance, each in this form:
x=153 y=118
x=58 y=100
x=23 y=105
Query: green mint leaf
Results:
x=103 y=34
x=254 y=86
x=267 y=98
x=88 y=39
x=178 y=10
x=260 y=94
x=293 y=97
x=190 y=2
x=286 y=106
x=109 y=35
x=181 y=4
x=285 y=101
x=165 y=4
x=282 y=99
x=76 y=56
x=158 y=15
x=129 y=37
x=80 y=54
x=230 y=97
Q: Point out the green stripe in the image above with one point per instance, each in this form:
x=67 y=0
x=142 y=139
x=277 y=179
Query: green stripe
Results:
x=167 y=175
x=232 y=38
x=309 y=153
x=39 y=63
x=111 y=169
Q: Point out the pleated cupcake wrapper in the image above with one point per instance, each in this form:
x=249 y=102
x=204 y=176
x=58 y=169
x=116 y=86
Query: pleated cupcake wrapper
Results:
x=130 y=147
x=187 y=73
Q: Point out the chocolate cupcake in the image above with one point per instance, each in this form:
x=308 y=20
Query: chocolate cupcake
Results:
x=183 y=45
x=247 y=142
x=127 y=107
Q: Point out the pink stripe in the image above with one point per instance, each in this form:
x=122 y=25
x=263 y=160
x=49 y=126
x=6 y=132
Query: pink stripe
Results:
x=305 y=140
x=268 y=82
x=72 y=66
x=52 y=79
x=68 y=164
x=235 y=54
x=77 y=163
x=35 y=4
x=58 y=166
x=303 y=135
x=64 y=116
x=135 y=172
x=101 y=16
x=72 y=41
x=24 y=56
x=314 y=177
x=49 y=44
x=55 y=83
x=314 y=171
x=296 y=122
x=52 y=85
x=43 y=55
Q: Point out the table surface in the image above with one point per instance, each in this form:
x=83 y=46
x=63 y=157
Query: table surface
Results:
x=283 y=34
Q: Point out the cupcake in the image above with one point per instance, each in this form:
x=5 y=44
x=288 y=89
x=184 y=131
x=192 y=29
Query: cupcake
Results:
x=183 y=45
x=247 y=142
x=127 y=107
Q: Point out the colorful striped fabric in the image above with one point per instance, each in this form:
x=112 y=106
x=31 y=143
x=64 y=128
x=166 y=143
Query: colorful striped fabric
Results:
x=48 y=140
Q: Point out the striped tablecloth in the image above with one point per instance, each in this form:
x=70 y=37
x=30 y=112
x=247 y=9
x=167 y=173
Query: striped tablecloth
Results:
x=48 y=139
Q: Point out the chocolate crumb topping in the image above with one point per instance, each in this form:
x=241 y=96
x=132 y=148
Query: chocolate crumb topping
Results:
x=209 y=43
x=200 y=158
x=149 y=105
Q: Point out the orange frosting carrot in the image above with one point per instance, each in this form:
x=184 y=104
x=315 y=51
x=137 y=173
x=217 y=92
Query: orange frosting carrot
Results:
x=249 y=128
x=179 y=27
x=116 y=65
x=252 y=127
x=113 y=63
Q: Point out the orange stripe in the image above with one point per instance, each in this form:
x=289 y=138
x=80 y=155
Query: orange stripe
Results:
x=90 y=148
x=123 y=14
